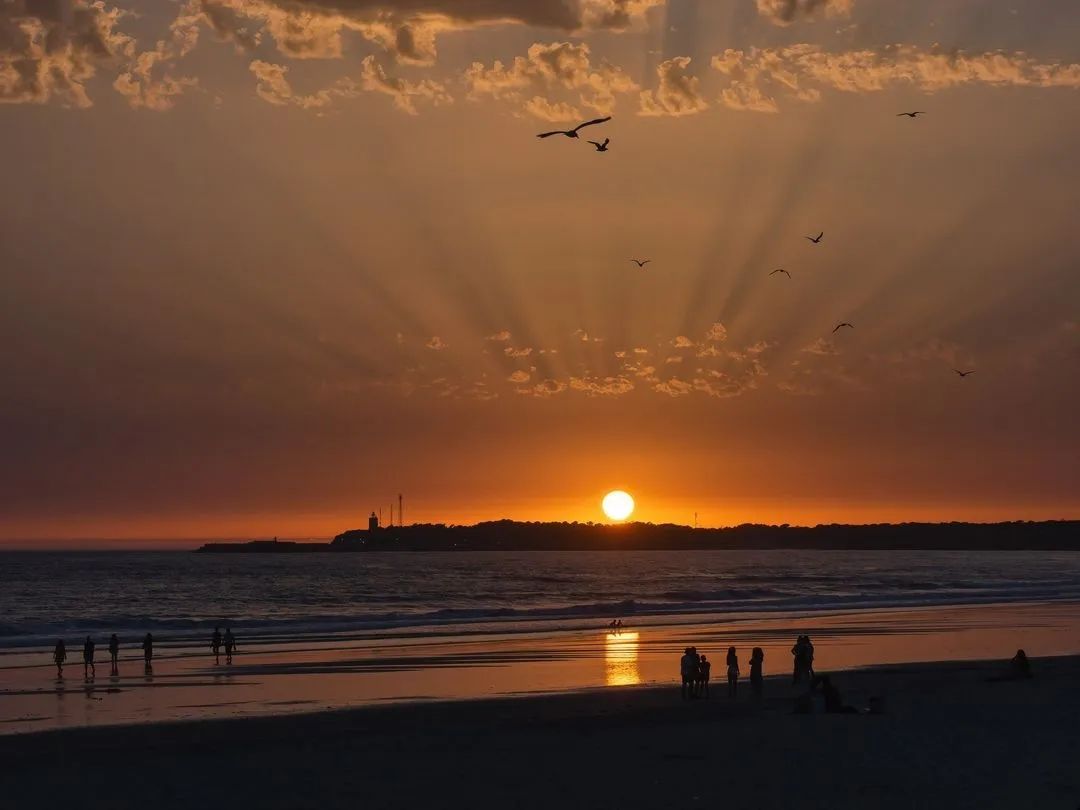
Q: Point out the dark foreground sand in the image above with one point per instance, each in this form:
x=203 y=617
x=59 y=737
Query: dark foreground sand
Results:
x=949 y=739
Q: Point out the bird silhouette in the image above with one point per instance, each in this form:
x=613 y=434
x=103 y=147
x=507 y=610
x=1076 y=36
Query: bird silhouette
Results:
x=840 y=326
x=573 y=133
x=601 y=147
x=780 y=270
x=963 y=373
x=915 y=114
x=641 y=262
x=816 y=239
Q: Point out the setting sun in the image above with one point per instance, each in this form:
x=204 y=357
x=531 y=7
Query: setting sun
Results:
x=618 y=505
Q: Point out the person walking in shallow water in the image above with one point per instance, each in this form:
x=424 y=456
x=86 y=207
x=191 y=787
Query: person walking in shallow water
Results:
x=148 y=653
x=215 y=645
x=88 y=659
x=59 y=656
x=230 y=644
x=732 y=672
x=114 y=654
x=757 y=681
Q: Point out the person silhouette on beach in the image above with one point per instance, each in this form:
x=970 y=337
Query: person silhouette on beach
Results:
x=688 y=666
x=1020 y=666
x=732 y=672
x=704 y=673
x=114 y=654
x=59 y=656
x=1019 y=669
x=215 y=644
x=230 y=644
x=834 y=703
x=803 y=651
x=148 y=653
x=89 y=670
x=757 y=681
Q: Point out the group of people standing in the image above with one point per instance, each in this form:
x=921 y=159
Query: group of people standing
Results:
x=696 y=672
x=217 y=641
x=803 y=652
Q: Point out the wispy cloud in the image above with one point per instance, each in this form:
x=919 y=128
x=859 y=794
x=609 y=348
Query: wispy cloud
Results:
x=756 y=75
x=678 y=91
x=785 y=12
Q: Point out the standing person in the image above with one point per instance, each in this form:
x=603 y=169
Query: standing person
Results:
x=88 y=659
x=799 y=653
x=215 y=644
x=704 y=672
x=757 y=682
x=732 y=672
x=114 y=653
x=148 y=653
x=230 y=644
x=688 y=669
x=808 y=657
x=59 y=656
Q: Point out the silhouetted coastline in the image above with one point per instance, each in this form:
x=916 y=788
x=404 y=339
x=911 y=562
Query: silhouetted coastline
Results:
x=508 y=535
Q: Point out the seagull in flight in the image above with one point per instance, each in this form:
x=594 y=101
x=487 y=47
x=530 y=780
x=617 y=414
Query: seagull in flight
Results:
x=573 y=133
x=601 y=147
x=963 y=373
x=816 y=239
x=915 y=114
x=840 y=326
x=780 y=270
x=641 y=262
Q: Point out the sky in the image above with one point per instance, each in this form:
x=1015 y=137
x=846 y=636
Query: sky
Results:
x=268 y=263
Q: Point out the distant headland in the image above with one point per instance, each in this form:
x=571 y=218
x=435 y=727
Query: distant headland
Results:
x=508 y=535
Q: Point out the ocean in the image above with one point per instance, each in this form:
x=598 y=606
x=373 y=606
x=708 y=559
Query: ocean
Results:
x=181 y=597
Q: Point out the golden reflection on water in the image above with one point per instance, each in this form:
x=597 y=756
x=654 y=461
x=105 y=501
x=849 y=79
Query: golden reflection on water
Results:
x=621 y=659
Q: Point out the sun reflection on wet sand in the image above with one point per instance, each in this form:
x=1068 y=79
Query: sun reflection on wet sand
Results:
x=621 y=659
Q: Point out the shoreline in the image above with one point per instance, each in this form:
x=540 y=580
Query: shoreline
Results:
x=949 y=737
x=777 y=689
x=294 y=677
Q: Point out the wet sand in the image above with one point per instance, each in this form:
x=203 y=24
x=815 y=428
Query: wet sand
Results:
x=309 y=675
x=949 y=739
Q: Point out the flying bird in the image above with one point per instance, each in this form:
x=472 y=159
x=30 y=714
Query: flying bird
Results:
x=573 y=133
x=780 y=270
x=840 y=326
x=641 y=262
x=963 y=373
x=915 y=114
x=816 y=239
x=601 y=147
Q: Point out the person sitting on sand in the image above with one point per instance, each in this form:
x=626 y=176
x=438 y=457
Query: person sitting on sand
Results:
x=59 y=656
x=1020 y=666
x=834 y=703
x=215 y=645
x=148 y=652
x=1019 y=669
x=704 y=673
x=732 y=672
x=88 y=659
x=230 y=644
x=757 y=684
x=114 y=653
x=688 y=669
